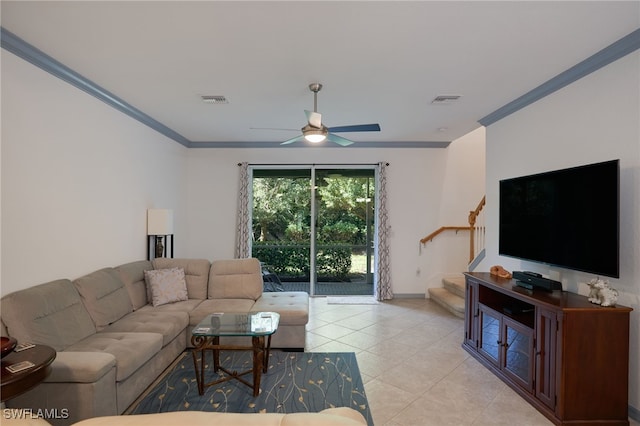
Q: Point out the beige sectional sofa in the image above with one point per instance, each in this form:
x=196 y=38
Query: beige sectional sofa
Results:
x=112 y=342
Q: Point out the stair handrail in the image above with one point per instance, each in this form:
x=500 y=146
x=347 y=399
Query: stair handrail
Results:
x=473 y=217
x=440 y=230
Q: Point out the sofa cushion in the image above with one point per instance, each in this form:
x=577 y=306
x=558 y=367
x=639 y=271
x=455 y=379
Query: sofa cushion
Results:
x=167 y=323
x=132 y=350
x=235 y=279
x=49 y=314
x=166 y=285
x=80 y=367
x=132 y=275
x=105 y=296
x=196 y=273
x=293 y=306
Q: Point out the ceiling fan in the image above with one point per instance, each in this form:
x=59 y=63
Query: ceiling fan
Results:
x=315 y=131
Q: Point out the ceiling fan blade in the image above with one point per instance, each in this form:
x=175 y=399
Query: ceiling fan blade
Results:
x=292 y=140
x=357 y=128
x=314 y=118
x=339 y=140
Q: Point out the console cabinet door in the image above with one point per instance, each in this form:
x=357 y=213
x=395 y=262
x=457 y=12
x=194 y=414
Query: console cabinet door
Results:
x=489 y=334
x=545 y=350
x=507 y=344
x=518 y=353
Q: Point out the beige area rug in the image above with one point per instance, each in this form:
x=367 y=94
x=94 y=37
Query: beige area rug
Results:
x=351 y=300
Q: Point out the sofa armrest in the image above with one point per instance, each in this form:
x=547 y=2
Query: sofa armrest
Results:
x=80 y=367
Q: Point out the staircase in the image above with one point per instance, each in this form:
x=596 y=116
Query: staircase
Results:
x=451 y=295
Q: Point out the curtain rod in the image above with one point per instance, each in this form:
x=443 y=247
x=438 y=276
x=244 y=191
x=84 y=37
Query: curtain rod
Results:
x=312 y=164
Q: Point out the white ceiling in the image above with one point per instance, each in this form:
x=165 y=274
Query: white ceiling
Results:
x=379 y=61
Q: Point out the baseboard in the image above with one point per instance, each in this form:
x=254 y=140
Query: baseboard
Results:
x=479 y=258
x=634 y=414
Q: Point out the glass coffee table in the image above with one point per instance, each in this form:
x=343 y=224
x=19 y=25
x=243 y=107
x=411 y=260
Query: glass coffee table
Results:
x=260 y=326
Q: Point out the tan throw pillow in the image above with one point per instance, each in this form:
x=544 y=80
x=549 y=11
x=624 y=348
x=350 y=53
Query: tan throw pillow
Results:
x=166 y=285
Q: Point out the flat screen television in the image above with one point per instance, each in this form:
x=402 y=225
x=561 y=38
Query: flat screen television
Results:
x=568 y=218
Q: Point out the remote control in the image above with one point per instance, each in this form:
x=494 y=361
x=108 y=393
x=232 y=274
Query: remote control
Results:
x=15 y=368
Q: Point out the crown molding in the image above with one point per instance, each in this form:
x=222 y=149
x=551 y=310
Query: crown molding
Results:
x=361 y=144
x=14 y=44
x=29 y=53
x=609 y=54
x=26 y=51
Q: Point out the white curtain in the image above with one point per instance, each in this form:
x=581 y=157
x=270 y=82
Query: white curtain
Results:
x=382 y=281
x=243 y=234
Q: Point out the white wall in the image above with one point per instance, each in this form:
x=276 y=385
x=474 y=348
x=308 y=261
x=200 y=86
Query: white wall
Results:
x=594 y=119
x=415 y=179
x=461 y=191
x=77 y=179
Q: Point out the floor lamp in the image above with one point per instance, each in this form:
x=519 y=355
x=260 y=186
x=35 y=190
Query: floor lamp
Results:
x=159 y=229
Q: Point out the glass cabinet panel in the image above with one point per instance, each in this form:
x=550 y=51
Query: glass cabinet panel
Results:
x=490 y=339
x=518 y=361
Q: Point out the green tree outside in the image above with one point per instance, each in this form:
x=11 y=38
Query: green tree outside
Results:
x=282 y=221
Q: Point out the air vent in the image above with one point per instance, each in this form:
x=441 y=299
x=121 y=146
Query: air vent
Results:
x=214 y=99
x=445 y=99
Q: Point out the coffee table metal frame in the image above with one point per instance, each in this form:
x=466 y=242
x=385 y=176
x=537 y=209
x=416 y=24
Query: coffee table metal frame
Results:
x=260 y=326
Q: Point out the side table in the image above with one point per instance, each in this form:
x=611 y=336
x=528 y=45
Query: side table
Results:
x=14 y=384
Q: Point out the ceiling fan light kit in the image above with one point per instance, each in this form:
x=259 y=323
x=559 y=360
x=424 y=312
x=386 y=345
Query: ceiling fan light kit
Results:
x=315 y=131
x=315 y=135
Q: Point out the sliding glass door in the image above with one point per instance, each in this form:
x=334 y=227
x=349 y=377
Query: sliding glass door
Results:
x=313 y=227
x=344 y=212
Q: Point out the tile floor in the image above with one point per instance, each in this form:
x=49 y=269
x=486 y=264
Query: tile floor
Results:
x=413 y=367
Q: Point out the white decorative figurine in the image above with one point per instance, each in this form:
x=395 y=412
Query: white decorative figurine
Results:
x=601 y=293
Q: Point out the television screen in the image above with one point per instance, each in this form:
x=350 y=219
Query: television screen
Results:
x=567 y=218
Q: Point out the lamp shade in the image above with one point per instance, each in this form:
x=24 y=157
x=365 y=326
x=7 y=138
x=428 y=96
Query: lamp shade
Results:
x=159 y=222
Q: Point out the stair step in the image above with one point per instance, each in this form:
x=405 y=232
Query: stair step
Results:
x=451 y=302
x=455 y=284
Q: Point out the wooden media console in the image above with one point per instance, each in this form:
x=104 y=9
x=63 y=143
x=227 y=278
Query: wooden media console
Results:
x=567 y=357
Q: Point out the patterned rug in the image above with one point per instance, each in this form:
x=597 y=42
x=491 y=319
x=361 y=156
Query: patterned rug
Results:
x=295 y=382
